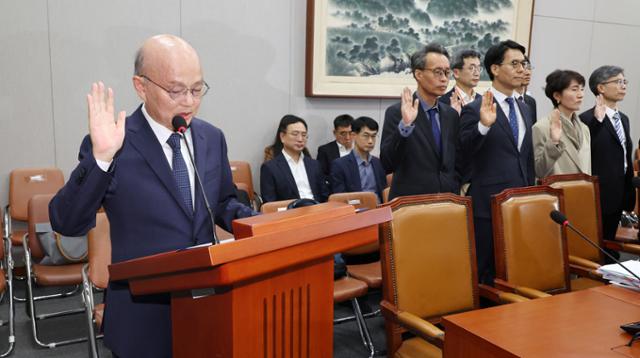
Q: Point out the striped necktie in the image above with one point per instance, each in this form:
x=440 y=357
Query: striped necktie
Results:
x=617 y=125
x=513 y=118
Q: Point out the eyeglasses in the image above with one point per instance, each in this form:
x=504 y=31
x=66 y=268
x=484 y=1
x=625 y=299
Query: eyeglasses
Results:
x=474 y=68
x=439 y=72
x=368 y=136
x=296 y=134
x=180 y=93
x=526 y=65
x=619 y=82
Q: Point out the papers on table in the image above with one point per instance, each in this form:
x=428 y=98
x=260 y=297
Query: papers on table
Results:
x=617 y=275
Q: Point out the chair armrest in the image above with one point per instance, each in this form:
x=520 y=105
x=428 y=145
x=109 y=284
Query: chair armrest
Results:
x=417 y=325
x=622 y=246
x=586 y=272
x=520 y=290
x=579 y=261
x=499 y=296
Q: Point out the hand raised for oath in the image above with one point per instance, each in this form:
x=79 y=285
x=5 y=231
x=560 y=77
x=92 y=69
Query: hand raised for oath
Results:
x=555 y=129
x=487 y=110
x=456 y=102
x=408 y=107
x=600 y=111
x=106 y=132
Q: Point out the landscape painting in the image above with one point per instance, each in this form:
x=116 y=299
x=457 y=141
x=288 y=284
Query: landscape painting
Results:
x=362 y=48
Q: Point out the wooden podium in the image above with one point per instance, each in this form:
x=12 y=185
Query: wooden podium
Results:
x=268 y=293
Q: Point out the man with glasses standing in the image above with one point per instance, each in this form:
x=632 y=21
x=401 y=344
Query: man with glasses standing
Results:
x=611 y=146
x=495 y=137
x=339 y=147
x=139 y=171
x=466 y=71
x=522 y=93
x=419 y=133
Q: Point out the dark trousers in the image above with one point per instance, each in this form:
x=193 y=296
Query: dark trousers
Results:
x=484 y=250
x=610 y=223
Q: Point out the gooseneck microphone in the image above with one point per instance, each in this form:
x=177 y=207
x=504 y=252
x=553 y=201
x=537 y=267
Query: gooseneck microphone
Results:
x=180 y=126
x=561 y=219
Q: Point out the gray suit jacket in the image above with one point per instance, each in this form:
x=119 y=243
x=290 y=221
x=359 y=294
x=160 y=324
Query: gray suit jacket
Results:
x=567 y=157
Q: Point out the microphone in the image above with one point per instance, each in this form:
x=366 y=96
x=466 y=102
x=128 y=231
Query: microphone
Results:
x=561 y=219
x=180 y=125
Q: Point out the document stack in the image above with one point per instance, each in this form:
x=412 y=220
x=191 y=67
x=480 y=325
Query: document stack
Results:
x=621 y=277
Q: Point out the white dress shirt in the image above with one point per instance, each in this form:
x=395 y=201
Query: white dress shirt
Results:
x=299 y=173
x=343 y=150
x=501 y=98
x=162 y=133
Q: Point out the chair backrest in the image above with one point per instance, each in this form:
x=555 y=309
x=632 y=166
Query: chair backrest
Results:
x=99 y=251
x=241 y=173
x=530 y=248
x=389 y=179
x=581 y=195
x=274 y=206
x=2 y=233
x=360 y=200
x=27 y=182
x=38 y=212
x=428 y=255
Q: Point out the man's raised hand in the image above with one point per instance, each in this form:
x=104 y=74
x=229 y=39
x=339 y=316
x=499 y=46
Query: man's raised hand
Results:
x=106 y=132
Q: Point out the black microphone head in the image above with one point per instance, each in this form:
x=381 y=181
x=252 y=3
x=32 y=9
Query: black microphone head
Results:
x=558 y=217
x=636 y=182
x=179 y=124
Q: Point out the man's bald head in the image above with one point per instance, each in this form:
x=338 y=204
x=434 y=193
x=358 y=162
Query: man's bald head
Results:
x=160 y=47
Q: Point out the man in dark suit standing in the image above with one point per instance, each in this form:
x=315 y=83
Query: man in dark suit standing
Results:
x=141 y=174
x=419 y=134
x=522 y=93
x=339 y=147
x=359 y=170
x=291 y=174
x=495 y=135
x=466 y=71
x=611 y=146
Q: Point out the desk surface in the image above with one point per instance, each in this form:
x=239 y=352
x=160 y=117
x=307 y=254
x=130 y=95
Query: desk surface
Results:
x=577 y=324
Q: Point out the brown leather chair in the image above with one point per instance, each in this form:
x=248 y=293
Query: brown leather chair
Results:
x=389 y=179
x=241 y=173
x=530 y=249
x=274 y=206
x=582 y=208
x=6 y=283
x=23 y=184
x=95 y=275
x=428 y=271
x=587 y=218
x=46 y=275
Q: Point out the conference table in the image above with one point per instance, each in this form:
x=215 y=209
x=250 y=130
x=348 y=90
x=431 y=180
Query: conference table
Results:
x=576 y=324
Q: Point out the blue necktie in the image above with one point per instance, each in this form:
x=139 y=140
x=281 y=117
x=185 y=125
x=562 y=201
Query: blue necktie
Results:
x=617 y=125
x=180 y=172
x=513 y=119
x=435 y=127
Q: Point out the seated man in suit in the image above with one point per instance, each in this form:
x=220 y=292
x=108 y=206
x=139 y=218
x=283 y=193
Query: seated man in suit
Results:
x=522 y=93
x=359 y=171
x=338 y=148
x=419 y=134
x=466 y=71
x=291 y=174
x=140 y=173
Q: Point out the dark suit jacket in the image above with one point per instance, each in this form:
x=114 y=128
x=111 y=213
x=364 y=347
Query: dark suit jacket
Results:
x=345 y=175
x=416 y=164
x=147 y=216
x=496 y=163
x=327 y=153
x=277 y=182
x=616 y=188
x=446 y=98
x=531 y=102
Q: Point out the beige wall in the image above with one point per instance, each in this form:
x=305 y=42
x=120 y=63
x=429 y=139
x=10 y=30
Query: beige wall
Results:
x=253 y=58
